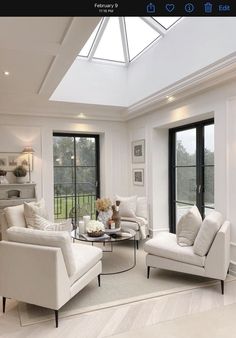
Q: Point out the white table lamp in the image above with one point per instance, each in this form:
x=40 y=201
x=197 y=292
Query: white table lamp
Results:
x=28 y=150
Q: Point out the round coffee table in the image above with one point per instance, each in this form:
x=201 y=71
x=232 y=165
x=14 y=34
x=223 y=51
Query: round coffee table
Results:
x=123 y=235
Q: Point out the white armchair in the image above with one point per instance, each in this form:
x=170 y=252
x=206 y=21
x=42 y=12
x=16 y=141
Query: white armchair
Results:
x=134 y=215
x=164 y=252
x=45 y=268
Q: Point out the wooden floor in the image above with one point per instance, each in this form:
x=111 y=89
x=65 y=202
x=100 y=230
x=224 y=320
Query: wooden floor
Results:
x=164 y=315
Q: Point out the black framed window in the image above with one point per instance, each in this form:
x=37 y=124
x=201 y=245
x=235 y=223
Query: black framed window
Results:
x=76 y=174
x=191 y=170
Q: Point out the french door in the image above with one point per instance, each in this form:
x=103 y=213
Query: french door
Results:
x=76 y=175
x=191 y=158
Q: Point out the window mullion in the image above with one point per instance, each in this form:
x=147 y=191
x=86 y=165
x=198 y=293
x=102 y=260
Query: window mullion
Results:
x=155 y=25
x=124 y=39
x=98 y=38
x=200 y=167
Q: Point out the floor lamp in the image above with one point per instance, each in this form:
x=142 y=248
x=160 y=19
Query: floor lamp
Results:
x=29 y=151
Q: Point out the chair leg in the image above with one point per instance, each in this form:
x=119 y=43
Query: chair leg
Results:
x=99 y=280
x=3 y=304
x=137 y=244
x=222 y=287
x=56 y=317
x=148 y=272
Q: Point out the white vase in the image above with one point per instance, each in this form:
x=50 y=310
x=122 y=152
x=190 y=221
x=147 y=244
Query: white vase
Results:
x=20 y=179
x=3 y=180
x=104 y=216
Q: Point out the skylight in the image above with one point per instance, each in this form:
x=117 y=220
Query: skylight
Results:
x=121 y=39
x=166 y=21
x=110 y=46
x=86 y=49
x=139 y=34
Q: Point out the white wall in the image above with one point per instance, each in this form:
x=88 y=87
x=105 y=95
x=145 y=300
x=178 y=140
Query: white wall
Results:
x=192 y=44
x=216 y=102
x=231 y=173
x=17 y=132
x=93 y=83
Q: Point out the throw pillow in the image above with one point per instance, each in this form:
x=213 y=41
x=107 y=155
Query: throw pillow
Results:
x=207 y=232
x=41 y=223
x=34 y=208
x=188 y=226
x=15 y=216
x=127 y=206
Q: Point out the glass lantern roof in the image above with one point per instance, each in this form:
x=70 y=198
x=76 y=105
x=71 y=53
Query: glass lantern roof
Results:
x=122 y=39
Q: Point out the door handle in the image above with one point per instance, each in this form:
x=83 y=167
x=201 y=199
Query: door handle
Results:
x=199 y=189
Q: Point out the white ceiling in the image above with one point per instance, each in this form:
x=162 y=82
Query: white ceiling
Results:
x=38 y=51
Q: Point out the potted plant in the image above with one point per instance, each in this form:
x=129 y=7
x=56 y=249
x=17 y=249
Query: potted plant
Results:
x=20 y=172
x=3 y=179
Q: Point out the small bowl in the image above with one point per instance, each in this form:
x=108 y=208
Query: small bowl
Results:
x=96 y=233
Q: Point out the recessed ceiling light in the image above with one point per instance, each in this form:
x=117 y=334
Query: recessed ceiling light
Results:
x=170 y=98
x=6 y=73
x=81 y=116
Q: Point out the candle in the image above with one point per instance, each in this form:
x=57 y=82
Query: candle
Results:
x=81 y=227
x=86 y=219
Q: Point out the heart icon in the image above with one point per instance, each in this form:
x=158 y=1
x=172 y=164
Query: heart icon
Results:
x=170 y=7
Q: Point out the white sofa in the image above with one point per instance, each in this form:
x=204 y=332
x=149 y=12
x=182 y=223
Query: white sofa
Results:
x=164 y=252
x=45 y=268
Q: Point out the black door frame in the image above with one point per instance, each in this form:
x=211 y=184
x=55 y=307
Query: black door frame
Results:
x=97 y=153
x=199 y=168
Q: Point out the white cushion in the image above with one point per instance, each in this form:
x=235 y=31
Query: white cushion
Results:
x=188 y=226
x=127 y=205
x=129 y=225
x=165 y=245
x=60 y=239
x=207 y=232
x=41 y=223
x=15 y=216
x=86 y=257
x=34 y=208
x=142 y=208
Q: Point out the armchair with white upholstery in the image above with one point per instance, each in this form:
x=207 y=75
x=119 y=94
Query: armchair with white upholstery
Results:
x=206 y=257
x=134 y=215
x=45 y=268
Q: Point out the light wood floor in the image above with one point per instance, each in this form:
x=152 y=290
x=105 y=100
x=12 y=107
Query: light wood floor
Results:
x=200 y=312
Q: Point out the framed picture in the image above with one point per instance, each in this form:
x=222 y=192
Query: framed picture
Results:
x=8 y=161
x=138 y=176
x=138 y=151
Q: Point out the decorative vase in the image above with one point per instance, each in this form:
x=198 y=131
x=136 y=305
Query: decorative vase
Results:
x=20 y=180
x=3 y=180
x=104 y=216
x=116 y=216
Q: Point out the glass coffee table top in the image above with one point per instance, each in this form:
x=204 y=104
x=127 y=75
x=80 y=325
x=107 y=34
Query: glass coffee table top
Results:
x=107 y=237
x=114 y=238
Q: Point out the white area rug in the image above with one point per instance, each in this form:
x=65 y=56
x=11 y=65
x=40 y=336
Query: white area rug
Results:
x=119 y=289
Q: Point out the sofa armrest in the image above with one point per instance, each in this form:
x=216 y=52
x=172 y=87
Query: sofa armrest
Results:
x=33 y=274
x=218 y=257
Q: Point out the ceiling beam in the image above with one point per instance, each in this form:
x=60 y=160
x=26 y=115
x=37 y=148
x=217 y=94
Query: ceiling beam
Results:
x=79 y=30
